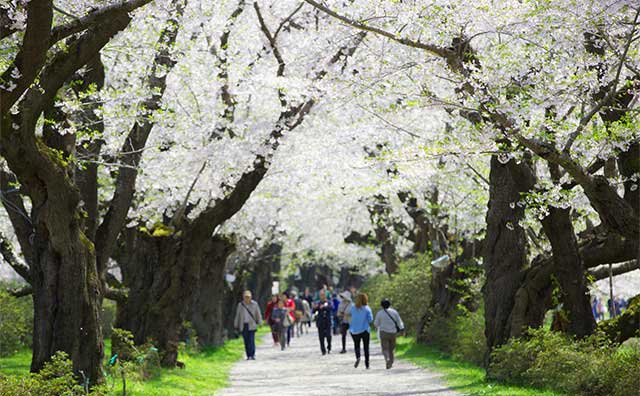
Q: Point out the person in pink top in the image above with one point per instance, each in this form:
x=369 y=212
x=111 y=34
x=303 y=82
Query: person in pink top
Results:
x=291 y=307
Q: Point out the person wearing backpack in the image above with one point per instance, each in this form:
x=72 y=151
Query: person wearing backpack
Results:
x=389 y=324
x=247 y=320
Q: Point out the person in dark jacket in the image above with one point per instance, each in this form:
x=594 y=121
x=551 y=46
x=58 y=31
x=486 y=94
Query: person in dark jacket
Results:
x=323 y=312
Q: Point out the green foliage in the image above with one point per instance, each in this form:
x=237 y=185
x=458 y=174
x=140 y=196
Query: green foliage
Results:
x=56 y=378
x=461 y=335
x=466 y=378
x=190 y=344
x=408 y=290
x=16 y=322
x=590 y=367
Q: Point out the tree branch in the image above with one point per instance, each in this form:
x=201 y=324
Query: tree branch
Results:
x=32 y=55
x=13 y=203
x=603 y=272
x=101 y=15
x=433 y=49
x=7 y=253
x=21 y=292
x=132 y=149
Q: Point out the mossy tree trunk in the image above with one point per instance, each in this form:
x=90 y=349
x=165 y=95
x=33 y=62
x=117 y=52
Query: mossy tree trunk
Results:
x=207 y=310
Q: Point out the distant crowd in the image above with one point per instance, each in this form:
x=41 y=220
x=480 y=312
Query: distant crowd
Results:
x=614 y=308
x=290 y=314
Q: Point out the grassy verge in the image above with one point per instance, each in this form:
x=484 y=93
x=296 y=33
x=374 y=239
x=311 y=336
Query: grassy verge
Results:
x=205 y=372
x=462 y=377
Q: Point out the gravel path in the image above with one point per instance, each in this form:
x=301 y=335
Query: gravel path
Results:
x=301 y=370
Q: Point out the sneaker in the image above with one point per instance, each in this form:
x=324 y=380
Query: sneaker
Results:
x=366 y=365
x=343 y=351
x=329 y=351
x=252 y=358
x=357 y=363
x=389 y=364
x=323 y=353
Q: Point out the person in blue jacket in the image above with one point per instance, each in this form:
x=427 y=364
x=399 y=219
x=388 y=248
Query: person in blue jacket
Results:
x=361 y=318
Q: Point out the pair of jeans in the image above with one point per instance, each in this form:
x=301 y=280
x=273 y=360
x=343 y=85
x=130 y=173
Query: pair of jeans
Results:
x=249 y=337
x=283 y=336
x=344 y=329
x=388 y=341
x=324 y=333
x=364 y=337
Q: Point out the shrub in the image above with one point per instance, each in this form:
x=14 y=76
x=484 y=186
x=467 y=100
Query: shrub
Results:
x=16 y=322
x=56 y=378
x=460 y=335
x=408 y=290
x=590 y=367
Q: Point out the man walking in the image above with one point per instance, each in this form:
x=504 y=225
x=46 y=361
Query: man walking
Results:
x=324 y=312
x=390 y=325
x=247 y=320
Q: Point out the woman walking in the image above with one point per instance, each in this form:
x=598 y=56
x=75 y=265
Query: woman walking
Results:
x=361 y=318
x=271 y=305
x=247 y=320
x=389 y=323
x=282 y=322
x=344 y=313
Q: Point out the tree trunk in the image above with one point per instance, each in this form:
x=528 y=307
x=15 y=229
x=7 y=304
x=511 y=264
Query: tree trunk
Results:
x=504 y=254
x=570 y=272
x=161 y=271
x=207 y=308
x=66 y=300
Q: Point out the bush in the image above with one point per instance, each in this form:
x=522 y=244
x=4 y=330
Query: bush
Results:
x=16 y=322
x=591 y=367
x=461 y=335
x=56 y=378
x=408 y=290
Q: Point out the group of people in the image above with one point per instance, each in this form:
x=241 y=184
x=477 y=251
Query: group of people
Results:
x=614 y=308
x=290 y=314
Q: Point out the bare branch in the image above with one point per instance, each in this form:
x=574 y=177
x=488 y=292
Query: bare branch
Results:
x=100 y=15
x=7 y=253
x=24 y=291
x=433 y=49
x=603 y=272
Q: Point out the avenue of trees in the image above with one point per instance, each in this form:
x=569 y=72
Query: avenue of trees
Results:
x=148 y=148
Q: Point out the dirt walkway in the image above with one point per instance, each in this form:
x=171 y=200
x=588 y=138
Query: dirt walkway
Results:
x=301 y=370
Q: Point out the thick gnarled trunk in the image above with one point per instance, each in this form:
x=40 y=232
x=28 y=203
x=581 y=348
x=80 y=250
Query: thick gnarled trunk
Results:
x=207 y=308
x=66 y=303
x=504 y=254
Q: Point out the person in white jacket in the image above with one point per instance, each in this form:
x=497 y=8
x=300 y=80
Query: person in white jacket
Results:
x=247 y=320
x=389 y=324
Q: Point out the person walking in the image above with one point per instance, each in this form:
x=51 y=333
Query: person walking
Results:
x=290 y=305
x=336 y=320
x=271 y=305
x=361 y=318
x=390 y=325
x=247 y=320
x=323 y=312
x=344 y=313
x=309 y=298
x=282 y=322
x=298 y=313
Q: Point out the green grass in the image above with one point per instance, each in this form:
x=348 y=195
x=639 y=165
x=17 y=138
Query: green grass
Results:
x=17 y=364
x=461 y=377
x=205 y=372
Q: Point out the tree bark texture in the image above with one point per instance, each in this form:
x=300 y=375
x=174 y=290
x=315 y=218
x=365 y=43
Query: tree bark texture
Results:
x=207 y=308
x=504 y=254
